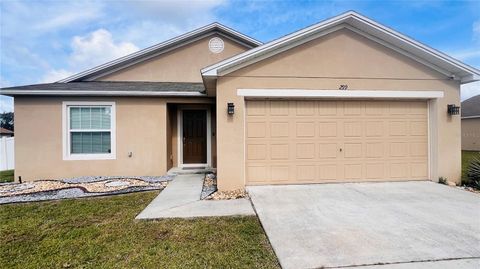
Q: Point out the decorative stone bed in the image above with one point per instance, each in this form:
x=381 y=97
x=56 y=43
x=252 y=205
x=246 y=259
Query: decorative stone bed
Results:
x=78 y=187
x=210 y=191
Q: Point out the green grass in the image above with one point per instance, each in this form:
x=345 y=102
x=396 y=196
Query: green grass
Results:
x=467 y=156
x=6 y=176
x=102 y=233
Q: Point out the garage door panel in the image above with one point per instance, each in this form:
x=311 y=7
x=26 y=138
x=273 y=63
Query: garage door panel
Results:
x=256 y=130
x=329 y=171
x=328 y=150
x=314 y=141
x=305 y=129
x=327 y=108
x=279 y=129
x=305 y=150
x=375 y=171
x=418 y=128
x=256 y=152
x=306 y=172
x=353 y=171
x=398 y=128
x=353 y=150
x=279 y=108
x=328 y=129
x=280 y=173
x=353 y=108
x=352 y=129
x=305 y=108
x=375 y=149
x=399 y=170
x=258 y=173
x=419 y=170
x=256 y=108
x=280 y=151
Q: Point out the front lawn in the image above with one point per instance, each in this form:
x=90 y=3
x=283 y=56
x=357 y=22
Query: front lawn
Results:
x=6 y=176
x=102 y=233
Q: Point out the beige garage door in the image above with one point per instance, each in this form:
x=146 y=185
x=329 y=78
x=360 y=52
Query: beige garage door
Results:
x=321 y=141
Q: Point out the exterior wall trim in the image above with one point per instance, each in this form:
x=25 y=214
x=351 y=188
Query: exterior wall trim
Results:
x=303 y=93
x=470 y=117
x=65 y=135
x=180 y=135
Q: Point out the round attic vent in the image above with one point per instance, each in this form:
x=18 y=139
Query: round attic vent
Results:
x=216 y=45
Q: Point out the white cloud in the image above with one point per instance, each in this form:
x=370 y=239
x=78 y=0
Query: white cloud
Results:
x=6 y=104
x=55 y=75
x=152 y=22
x=96 y=48
x=470 y=90
x=68 y=17
x=471 y=55
x=476 y=31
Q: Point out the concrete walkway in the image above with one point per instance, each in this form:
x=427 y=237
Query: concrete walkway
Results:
x=181 y=199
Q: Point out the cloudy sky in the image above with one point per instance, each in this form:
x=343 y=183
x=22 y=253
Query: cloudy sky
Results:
x=44 y=41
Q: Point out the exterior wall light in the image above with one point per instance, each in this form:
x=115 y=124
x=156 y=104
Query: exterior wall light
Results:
x=230 y=108
x=453 y=110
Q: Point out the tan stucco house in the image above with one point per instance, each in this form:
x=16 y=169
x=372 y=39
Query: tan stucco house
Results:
x=471 y=124
x=344 y=100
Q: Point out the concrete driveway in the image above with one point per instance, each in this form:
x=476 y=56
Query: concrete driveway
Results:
x=371 y=225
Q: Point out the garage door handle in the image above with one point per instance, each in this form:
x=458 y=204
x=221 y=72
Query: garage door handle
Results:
x=340 y=149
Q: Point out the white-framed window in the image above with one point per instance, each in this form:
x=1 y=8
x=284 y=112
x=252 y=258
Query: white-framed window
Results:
x=88 y=130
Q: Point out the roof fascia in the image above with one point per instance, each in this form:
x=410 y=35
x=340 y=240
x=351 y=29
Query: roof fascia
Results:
x=101 y=93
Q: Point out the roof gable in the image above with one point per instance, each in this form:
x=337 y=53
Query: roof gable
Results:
x=153 y=51
x=355 y=22
x=471 y=107
x=340 y=54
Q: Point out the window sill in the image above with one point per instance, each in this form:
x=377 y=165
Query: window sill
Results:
x=89 y=157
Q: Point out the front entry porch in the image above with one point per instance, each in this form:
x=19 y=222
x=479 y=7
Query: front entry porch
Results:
x=191 y=141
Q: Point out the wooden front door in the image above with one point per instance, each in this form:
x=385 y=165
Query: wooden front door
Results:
x=194 y=136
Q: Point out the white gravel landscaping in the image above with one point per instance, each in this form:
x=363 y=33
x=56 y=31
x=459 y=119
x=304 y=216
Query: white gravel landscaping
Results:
x=78 y=187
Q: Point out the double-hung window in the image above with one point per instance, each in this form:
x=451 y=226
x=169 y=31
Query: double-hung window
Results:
x=89 y=130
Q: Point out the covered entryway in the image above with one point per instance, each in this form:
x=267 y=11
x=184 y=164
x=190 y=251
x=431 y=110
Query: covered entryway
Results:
x=194 y=136
x=308 y=141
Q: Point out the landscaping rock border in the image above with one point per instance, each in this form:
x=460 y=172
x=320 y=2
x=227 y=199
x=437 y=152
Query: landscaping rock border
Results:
x=91 y=179
x=79 y=187
x=209 y=185
x=69 y=193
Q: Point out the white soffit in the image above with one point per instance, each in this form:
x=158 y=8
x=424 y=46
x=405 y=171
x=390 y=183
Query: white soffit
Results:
x=349 y=94
x=379 y=33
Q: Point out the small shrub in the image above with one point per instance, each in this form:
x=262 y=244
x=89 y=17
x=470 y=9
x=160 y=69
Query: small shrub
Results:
x=442 y=180
x=474 y=173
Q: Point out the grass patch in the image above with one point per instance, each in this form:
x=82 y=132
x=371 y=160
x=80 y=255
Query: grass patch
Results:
x=102 y=233
x=6 y=176
x=467 y=157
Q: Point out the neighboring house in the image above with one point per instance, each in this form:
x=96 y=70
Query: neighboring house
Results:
x=471 y=123
x=5 y=132
x=344 y=100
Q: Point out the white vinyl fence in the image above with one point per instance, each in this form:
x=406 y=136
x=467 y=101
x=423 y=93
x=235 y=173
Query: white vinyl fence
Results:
x=7 y=153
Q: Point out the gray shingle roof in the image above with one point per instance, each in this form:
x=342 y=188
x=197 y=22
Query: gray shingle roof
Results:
x=471 y=107
x=108 y=88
